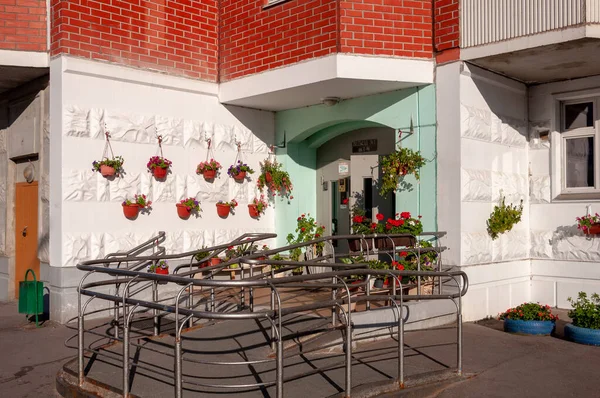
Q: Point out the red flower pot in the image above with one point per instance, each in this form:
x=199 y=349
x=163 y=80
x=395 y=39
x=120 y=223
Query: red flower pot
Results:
x=268 y=177
x=205 y=264
x=107 y=171
x=183 y=212
x=209 y=174
x=253 y=210
x=215 y=261
x=240 y=176
x=223 y=210
x=131 y=211
x=159 y=172
x=162 y=271
x=593 y=230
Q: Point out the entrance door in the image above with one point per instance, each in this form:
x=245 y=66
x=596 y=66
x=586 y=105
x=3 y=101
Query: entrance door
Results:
x=365 y=183
x=26 y=230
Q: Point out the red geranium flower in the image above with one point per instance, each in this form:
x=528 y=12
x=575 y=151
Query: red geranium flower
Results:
x=374 y=225
x=379 y=216
x=403 y=254
x=357 y=219
x=405 y=214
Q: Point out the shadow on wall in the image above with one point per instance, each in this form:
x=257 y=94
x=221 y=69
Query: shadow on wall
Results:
x=261 y=125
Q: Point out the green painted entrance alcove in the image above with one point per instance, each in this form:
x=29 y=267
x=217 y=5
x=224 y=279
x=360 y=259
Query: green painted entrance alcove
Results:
x=308 y=128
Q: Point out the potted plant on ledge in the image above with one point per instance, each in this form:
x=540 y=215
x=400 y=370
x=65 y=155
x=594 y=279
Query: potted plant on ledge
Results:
x=529 y=318
x=239 y=171
x=159 y=166
x=208 y=169
x=131 y=208
x=109 y=167
x=589 y=225
x=224 y=208
x=186 y=206
x=585 y=314
x=257 y=207
x=161 y=268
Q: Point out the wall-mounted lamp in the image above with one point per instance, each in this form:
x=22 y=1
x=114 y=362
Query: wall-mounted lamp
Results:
x=330 y=101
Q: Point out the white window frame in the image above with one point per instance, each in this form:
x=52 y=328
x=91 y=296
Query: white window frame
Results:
x=558 y=140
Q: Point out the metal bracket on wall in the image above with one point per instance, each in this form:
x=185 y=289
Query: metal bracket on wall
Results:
x=282 y=145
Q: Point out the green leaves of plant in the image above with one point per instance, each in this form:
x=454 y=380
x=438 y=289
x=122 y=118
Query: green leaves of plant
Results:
x=586 y=311
x=503 y=218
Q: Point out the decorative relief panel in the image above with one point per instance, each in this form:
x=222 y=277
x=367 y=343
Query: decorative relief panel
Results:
x=239 y=191
x=476 y=248
x=210 y=192
x=97 y=123
x=509 y=131
x=194 y=133
x=511 y=245
x=124 y=187
x=514 y=187
x=171 y=130
x=539 y=189
x=79 y=185
x=475 y=123
x=131 y=127
x=223 y=138
x=76 y=249
x=541 y=244
x=166 y=191
x=476 y=185
x=76 y=122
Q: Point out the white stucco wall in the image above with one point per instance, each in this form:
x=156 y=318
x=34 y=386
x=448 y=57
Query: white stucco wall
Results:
x=564 y=261
x=135 y=106
x=494 y=162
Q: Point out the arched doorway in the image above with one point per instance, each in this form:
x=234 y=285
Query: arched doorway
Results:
x=348 y=175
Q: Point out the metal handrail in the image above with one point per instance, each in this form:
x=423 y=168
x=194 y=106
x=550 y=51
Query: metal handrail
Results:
x=334 y=279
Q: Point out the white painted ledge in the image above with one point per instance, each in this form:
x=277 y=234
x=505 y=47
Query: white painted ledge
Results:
x=340 y=75
x=29 y=59
x=92 y=68
x=531 y=41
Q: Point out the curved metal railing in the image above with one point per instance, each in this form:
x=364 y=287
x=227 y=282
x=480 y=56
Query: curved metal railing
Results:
x=196 y=280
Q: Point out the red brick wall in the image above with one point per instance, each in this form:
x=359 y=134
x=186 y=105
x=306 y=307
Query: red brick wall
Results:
x=386 y=27
x=23 y=25
x=446 y=30
x=254 y=39
x=174 y=36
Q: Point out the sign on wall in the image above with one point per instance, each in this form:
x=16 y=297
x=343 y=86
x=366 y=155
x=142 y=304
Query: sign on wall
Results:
x=361 y=146
x=343 y=168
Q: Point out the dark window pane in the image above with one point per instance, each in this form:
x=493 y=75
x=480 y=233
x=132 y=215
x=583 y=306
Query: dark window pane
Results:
x=579 y=115
x=580 y=162
x=368 y=190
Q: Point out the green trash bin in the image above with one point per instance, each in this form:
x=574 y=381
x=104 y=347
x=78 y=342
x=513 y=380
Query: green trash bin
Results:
x=31 y=297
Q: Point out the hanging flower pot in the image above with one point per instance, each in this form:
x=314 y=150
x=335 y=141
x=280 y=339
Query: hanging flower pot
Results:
x=162 y=268
x=224 y=208
x=107 y=171
x=253 y=210
x=239 y=171
x=131 y=211
x=183 y=211
x=162 y=271
x=276 y=180
x=208 y=169
x=257 y=207
x=159 y=166
x=159 y=173
x=131 y=208
x=215 y=261
x=186 y=206
x=108 y=167
x=268 y=177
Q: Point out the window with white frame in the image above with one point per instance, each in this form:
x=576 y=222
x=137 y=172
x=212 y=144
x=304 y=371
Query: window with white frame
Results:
x=579 y=146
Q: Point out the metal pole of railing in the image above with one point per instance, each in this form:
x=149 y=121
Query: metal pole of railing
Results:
x=80 y=331
x=126 y=324
x=212 y=295
x=273 y=311
x=279 y=343
x=459 y=329
x=418 y=268
x=80 y=349
x=348 y=340
x=178 y=365
x=155 y=319
x=177 y=298
x=251 y=290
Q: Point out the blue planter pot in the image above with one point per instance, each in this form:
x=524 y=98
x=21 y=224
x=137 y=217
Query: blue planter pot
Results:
x=528 y=327
x=582 y=335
